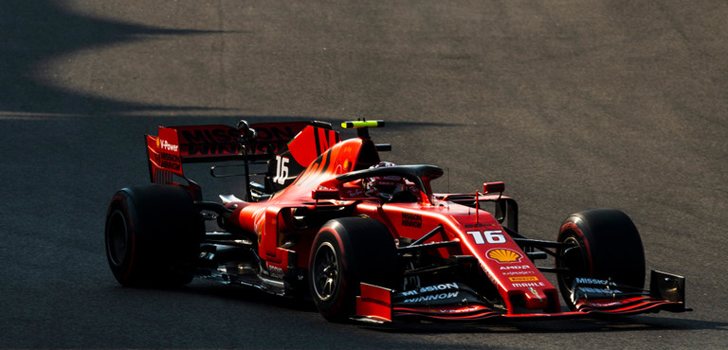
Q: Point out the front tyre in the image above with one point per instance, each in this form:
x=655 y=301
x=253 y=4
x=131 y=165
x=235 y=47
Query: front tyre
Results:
x=346 y=252
x=603 y=244
x=152 y=236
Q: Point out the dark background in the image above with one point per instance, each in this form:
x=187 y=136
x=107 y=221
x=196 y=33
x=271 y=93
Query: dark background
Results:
x=574 y=104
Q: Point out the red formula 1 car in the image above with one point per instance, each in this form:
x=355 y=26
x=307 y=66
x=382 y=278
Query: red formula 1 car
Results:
x=366 y=239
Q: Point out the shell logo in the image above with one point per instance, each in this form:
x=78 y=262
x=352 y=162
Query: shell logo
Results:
x=503 y=255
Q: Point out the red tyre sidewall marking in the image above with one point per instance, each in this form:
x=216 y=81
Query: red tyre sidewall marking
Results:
x=574 y=227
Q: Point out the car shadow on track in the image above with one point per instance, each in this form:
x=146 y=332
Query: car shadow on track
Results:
x=247 y=295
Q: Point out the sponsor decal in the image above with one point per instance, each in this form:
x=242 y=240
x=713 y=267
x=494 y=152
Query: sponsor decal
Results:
x=517 y=272
x=504 y=255
x=167 y=146
x=592 y=288
x=169 y=161
x=515 y=267
x=203 y=149
x=433 y=288
x=593 y=281
x=599 y=291
x=412 y=220
x=199 y=135
x=529 y=284
x=523 y=279
x=433 y=297
x=166 y=161
x=210 y=141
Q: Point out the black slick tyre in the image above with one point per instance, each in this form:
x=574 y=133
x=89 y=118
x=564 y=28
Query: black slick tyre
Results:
x=152 y=236
x=603 y=244
x=345 y=252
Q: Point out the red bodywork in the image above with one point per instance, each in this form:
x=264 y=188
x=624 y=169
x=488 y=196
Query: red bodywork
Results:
x=524 y=290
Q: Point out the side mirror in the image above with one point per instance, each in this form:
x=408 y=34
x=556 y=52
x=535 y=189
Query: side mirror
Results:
x=325 y=193
x=494 y=187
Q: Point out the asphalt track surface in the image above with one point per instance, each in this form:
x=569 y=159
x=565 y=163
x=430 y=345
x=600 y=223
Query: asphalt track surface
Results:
x=575 y=104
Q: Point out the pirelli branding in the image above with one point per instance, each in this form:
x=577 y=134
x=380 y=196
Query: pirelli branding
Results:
x=523 y=279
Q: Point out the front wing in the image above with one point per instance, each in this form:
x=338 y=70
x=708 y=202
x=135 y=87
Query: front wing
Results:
x=457 y=302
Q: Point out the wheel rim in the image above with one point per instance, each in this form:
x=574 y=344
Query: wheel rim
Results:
x=117 y=238
x=325 y=272
x=572 y=258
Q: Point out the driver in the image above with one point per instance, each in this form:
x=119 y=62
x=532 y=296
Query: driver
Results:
x=391 y=188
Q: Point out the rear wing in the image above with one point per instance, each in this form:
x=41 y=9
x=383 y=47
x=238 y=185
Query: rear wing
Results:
x=174 y=146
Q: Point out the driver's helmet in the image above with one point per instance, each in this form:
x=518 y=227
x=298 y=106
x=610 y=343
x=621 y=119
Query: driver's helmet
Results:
x=384 y=186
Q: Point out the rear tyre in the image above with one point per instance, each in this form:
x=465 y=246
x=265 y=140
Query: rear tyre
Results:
x=153 y=236
x=346 y=252
x=603 y=244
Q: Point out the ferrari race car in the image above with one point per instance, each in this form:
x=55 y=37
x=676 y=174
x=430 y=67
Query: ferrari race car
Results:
x=367 y=240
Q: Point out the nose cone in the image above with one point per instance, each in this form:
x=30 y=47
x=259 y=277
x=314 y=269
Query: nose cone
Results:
x=533 y=297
